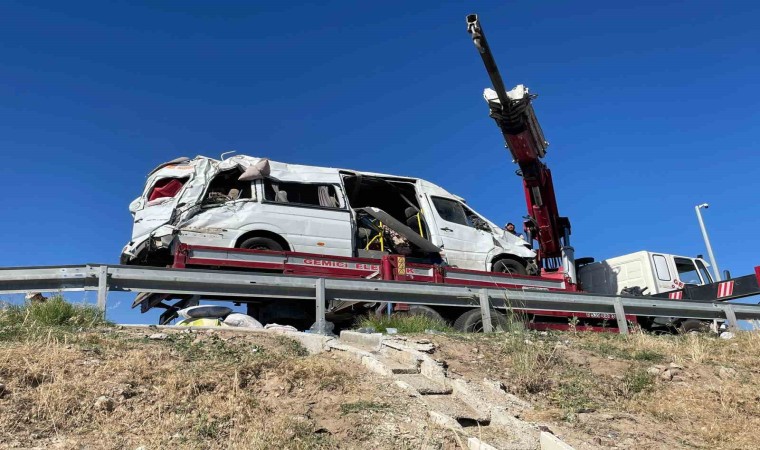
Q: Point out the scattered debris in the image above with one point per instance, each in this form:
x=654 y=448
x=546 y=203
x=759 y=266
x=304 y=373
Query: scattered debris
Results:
x=726 y=373
x=104 y=403
x=243 y=321
x=278 y=327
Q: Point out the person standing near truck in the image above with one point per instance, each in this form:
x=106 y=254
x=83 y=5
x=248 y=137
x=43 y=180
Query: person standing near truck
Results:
x=510 y=227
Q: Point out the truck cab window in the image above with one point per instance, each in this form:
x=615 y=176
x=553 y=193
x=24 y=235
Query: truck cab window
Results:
x=704 y=272
x=323 y=195
x=687 y=272
x=661 y=267
x=225 y=187
x=450 y=211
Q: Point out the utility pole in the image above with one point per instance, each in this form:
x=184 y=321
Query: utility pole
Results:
x=698 y=209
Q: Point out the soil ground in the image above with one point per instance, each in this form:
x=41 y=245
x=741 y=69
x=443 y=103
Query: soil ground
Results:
x=117 y=388
x=120 y=389
x=610 y=391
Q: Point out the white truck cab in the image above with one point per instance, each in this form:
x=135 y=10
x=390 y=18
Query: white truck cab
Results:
x=655 y=272
x=248 y=202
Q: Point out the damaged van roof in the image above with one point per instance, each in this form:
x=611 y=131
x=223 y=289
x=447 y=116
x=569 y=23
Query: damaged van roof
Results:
x=296 y=172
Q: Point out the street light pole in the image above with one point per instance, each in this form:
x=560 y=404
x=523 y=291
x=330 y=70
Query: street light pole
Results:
x=698 y=209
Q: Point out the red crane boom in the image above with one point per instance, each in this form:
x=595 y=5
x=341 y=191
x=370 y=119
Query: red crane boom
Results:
x=513 y=113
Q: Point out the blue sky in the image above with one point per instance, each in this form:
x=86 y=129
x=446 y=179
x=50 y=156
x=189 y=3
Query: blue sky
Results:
x=650 y=109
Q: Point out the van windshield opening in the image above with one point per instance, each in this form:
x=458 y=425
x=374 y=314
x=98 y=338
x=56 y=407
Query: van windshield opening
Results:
x=166 y=188
x=225 y=187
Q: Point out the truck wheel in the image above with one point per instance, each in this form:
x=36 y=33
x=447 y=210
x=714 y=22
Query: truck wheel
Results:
x=472 y=321
x=509 y=266
x=693 y=326
x=261 y=243
x=422 y=310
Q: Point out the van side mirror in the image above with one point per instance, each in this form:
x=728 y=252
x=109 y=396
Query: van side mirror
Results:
x=726 y=275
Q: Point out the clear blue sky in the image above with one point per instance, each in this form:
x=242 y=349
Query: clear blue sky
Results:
x=650 y=108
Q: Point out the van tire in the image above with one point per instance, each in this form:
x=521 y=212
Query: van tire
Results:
x=472 y=321
x=261 y=243
x=506 y=265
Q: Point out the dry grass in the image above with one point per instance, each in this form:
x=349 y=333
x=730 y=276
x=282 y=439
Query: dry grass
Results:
x=194 y=391
x=596 y=388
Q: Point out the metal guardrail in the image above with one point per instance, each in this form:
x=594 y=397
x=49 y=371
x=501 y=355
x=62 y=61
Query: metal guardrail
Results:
x=105 y=278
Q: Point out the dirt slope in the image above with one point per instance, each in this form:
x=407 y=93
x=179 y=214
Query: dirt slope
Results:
x=119 y=389
x=609 y=391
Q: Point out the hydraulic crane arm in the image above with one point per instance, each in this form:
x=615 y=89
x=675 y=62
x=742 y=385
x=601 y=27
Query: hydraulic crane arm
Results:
x=513 y=113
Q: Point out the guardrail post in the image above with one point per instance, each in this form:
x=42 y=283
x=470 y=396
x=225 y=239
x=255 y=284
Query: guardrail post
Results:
x=730 y=316
x=102 y=288
x=320 y=326
x=622 y=323
x=485 y=311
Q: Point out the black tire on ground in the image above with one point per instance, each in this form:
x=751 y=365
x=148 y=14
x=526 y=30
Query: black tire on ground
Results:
x=509 y=266
x=472 y=321
x=422 y=310
x=261 y=243
x=693 y=326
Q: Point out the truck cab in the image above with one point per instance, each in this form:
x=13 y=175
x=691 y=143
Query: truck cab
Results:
x=650 y=272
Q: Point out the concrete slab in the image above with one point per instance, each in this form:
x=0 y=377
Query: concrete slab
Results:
x=551 y=442
x=364 y=339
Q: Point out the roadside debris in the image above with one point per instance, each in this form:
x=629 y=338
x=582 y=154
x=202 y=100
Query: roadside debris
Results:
x=104 y=403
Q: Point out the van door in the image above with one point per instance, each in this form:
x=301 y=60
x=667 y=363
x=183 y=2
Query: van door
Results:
x=465 y=246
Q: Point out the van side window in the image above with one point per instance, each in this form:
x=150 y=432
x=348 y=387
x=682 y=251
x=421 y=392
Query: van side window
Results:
x=661 y=267
x=323 y=195
x=225 y=187
x=450 y=211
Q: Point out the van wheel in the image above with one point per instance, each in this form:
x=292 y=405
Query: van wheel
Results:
x=261 y=243
x=509 y=266
x=472 y=321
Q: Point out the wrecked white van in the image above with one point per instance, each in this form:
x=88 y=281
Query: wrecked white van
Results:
x=255 y=203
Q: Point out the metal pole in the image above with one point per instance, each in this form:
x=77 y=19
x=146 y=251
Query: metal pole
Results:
x=622 y=322
x=320 y=325
x=485 y=311
x=730 y=317
x=102 y=288
x=716 y=271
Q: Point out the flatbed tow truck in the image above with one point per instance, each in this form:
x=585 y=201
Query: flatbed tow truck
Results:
x=514 y=115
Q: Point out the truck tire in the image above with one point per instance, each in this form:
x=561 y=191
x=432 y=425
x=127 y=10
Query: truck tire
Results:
x=422 y=310
x=511 y=266
x=693 y=326
x=472 y=321
x=261 y=243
